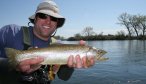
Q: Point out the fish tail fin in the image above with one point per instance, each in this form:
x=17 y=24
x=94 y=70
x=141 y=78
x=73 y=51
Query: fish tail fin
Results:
x=11 y=54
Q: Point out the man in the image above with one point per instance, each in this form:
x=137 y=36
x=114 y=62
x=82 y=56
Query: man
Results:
x=46 y=20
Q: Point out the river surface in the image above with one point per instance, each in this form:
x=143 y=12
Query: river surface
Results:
x=126 y=64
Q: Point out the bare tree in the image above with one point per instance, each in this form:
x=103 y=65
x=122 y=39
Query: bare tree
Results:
x=88 y=31
x=134 y=24
x=142 y=24
x=123 y=18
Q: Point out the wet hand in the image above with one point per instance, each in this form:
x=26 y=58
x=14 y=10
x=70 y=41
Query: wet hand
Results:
x=29 y=65
x=78 y=62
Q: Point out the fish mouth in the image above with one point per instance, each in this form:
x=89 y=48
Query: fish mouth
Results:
x=101 y=57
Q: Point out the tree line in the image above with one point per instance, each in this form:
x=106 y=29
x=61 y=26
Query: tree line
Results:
x=134 y=24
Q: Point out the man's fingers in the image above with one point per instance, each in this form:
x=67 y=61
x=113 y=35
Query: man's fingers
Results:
x=23 y=68
x=87 y=61
x=84 y=60
x=26 y=65
x=70 y=61
x=33 y=68
x=75 y=61
x=78 y=62
x=92 y=60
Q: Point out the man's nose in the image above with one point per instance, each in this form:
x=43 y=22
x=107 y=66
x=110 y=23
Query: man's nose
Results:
x=48 y=20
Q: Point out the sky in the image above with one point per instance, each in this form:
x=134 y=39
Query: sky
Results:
x=101 y=15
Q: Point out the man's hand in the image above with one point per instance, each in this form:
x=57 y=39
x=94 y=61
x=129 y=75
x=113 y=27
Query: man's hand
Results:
x=29 y=65
x=78 y=62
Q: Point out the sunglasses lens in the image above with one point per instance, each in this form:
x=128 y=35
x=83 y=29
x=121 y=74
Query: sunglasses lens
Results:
x=53 y=19
x=42 y=16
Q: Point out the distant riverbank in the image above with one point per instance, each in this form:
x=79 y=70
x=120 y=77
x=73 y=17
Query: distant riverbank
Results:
x=105 y=37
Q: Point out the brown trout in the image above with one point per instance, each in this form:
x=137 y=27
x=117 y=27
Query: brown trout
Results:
x=54 y=54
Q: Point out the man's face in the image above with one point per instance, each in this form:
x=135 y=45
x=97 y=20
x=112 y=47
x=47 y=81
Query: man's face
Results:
x=44 y=26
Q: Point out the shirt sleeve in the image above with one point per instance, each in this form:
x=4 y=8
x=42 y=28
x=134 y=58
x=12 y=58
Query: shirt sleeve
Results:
x=7 y=35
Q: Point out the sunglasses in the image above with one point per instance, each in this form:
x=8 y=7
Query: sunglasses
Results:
x=45 y=16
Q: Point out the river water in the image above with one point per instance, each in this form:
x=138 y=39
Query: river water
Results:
x=126 y=64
